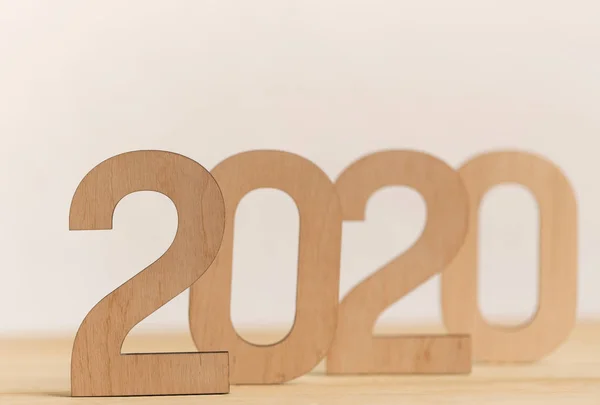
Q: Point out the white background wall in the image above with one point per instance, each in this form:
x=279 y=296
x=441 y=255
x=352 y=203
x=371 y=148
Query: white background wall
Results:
x=330 y=80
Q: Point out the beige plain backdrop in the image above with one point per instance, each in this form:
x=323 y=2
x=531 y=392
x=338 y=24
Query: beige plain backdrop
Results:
x=332 y=80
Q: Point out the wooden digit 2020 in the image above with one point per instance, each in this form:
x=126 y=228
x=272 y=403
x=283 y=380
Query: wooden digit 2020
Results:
x=556 y=311
x=99 y=369
x=97 y=366
x=355 y=350
x=318 y=271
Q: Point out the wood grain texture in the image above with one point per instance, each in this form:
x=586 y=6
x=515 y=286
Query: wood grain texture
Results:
x=556 y=312
x=35 y=371
x=318 y=271
x=355 y=349
x=98 y=367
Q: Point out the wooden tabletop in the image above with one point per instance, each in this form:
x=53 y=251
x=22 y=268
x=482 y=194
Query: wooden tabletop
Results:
x=36 y=371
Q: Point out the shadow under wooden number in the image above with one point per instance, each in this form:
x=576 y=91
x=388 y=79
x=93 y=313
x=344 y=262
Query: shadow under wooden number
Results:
x=556 y=312
x=318 y=270
x=355 y=350
x=97 y=366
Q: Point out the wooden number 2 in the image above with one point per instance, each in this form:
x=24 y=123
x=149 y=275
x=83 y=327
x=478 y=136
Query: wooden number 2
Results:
x=556 y=312
x=355 y=350
x=318 y=271
x=97 y=366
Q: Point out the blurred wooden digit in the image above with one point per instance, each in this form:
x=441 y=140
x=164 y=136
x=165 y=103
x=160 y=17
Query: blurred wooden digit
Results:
x=556 y=312
x=318 y=271
x=355 y=349
x=97 y=366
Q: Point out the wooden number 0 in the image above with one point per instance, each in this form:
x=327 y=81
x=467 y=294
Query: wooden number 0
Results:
x=97 y=367
x=318 y=271
x=556 y=312
x=355 y=350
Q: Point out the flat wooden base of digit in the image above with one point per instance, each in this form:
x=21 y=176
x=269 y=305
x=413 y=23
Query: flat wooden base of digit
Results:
x=431 y=354
x=158 y=375
x=35 y=371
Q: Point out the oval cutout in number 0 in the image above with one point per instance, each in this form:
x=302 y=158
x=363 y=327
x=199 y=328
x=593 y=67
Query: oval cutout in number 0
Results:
x=355 y=350
x=318 y=270
x=97 y=366
x=556 y=313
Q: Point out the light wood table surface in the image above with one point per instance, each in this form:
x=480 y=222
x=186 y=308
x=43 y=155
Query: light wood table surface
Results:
x=36 y=371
